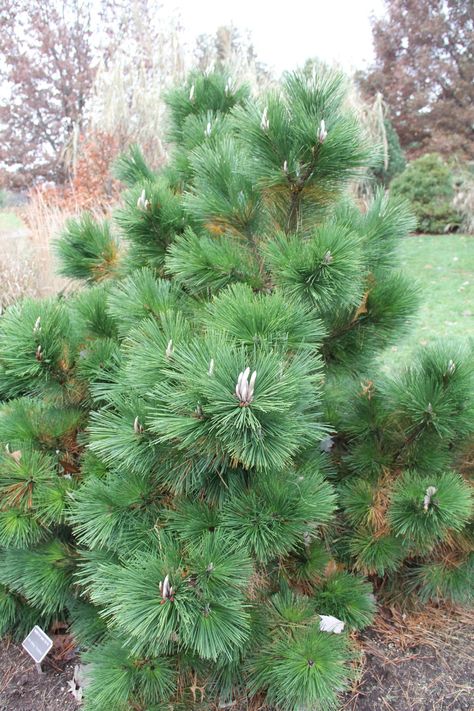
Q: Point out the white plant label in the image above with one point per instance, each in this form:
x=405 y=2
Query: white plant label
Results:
x=37 y=644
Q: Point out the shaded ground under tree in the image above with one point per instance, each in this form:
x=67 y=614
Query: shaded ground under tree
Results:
x=418 y=663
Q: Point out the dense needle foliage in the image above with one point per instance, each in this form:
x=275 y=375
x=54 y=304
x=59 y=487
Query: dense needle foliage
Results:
x=203 y=470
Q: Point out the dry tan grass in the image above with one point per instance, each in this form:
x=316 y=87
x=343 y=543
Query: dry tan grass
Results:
x=27 y=263
x=464 y=201
x=17 y=280
x=127 y=95
x=45 y=222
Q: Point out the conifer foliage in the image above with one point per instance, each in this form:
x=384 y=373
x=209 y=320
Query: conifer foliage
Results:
x=203 y=470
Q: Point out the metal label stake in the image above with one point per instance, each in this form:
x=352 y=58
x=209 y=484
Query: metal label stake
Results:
x=37 y=644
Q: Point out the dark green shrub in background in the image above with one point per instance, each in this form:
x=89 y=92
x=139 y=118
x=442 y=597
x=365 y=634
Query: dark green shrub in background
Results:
x=427 y=183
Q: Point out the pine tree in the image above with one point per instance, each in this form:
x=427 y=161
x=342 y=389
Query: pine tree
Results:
x=203 y=470
x=48 y=350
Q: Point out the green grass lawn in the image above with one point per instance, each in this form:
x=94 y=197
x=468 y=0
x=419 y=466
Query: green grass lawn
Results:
x=443 y=266
x=9 y=221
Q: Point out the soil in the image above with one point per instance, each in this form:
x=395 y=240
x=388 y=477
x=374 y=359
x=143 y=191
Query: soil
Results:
x=23 y=689
x=408 y=664
x=422 y=678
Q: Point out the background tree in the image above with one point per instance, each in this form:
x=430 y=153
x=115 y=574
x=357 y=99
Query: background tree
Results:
x=47 y=70
x=424 y=68
x=69 y=86
x=232 y=49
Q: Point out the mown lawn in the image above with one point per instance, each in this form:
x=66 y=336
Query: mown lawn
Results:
x=443 y=266
x=9 y=221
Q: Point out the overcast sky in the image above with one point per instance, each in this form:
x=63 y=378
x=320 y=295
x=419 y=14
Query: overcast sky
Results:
x=285 y=34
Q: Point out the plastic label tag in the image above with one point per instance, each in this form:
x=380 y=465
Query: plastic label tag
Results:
x=37 y=644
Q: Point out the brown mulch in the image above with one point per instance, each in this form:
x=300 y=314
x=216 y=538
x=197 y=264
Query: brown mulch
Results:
x=412 y=662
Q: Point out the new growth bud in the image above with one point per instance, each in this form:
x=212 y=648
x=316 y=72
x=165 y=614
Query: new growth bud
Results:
x=207 y=132
x=142 y=202
x=210 y=372
x=228 y=86
x=166 y=590
x=137 y=428
x=451 y=367
x=245 y=389
x=327 y=259
x=285 y=167
x=430 y=492
x=322 y=135
x=169 y=349
x=39 y=353
x=37 y=326
x=191 y=93
x=265 y=123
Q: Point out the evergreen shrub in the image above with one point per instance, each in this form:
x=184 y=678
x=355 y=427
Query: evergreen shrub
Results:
x=427 y=184
x=202 y=469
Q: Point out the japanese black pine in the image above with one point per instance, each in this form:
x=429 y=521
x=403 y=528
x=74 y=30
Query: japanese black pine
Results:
x=204 y=470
